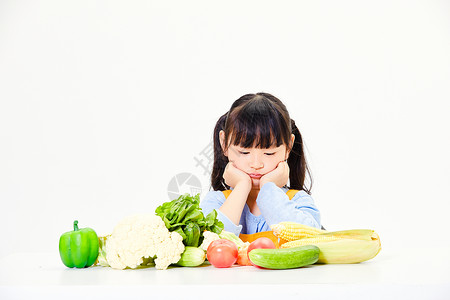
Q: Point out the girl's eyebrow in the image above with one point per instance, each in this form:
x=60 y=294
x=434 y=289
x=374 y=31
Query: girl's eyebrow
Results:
x=273 y=148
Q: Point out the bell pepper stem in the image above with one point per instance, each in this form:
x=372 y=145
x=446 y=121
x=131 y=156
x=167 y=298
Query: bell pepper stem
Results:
x=75 y=225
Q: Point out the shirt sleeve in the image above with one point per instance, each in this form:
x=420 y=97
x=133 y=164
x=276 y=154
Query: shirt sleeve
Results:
x=276 y=207
x=214 y=200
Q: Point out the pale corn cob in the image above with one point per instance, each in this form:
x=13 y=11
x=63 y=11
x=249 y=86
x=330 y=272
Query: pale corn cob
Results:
x=310 y=241
x=337 y=249
x=291 y=231
x=361 y=234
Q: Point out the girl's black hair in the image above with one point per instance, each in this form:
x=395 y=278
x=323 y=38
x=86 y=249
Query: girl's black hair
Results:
x=259 y=120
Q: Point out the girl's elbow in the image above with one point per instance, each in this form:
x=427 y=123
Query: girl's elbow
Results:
x=312 y=220
x=316 y=223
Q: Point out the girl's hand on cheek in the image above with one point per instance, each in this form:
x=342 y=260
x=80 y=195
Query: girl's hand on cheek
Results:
x=279 y=175
x=234 y=176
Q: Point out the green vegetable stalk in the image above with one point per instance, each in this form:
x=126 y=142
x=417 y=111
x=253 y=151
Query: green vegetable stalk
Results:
x=78 y=248
x=101 y=259
x=192 y=257
x=231 y=237
x=184 y=215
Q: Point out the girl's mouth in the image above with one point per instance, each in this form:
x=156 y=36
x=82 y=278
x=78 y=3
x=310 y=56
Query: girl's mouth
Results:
x=254 y=175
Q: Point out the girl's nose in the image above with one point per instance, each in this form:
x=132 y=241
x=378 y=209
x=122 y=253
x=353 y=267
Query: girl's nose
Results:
x=256 y=163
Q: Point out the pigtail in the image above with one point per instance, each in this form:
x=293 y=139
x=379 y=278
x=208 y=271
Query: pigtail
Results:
x=220 y=160
x=297 y=163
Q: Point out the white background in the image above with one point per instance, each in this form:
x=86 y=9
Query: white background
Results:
x=102 y=103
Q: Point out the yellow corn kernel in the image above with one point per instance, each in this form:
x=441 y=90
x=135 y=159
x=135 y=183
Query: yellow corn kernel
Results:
x=335 y=249
x=291 y=231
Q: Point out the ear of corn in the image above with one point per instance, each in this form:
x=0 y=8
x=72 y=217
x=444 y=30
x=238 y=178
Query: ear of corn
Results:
x=291 y=231
x=310 y=241
x=361 y=234
x=348 y=246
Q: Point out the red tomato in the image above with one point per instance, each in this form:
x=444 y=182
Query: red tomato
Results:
x=222 y=253
x=260 y=243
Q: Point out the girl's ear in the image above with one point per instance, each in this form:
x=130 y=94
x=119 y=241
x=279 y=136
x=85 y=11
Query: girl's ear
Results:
x=222 y=142
x=291 y=144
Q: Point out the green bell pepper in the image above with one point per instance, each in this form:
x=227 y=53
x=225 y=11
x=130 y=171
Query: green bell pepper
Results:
x=78 y=248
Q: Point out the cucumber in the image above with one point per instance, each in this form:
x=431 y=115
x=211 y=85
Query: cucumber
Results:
x=287 y=258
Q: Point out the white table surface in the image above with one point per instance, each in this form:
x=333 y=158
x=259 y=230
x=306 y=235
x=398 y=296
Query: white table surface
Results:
x=414 y=273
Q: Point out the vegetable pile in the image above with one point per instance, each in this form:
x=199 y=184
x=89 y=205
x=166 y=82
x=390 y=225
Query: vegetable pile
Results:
x=179 y=234
x=170 y=236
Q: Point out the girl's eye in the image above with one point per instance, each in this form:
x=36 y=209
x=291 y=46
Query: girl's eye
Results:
x=242 y=152
x=270 y=153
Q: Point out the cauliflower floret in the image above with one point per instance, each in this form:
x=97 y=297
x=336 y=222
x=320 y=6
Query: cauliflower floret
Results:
x=209 y=237
x=141 y=236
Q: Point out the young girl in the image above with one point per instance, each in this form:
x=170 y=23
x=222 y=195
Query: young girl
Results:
x=257 y=149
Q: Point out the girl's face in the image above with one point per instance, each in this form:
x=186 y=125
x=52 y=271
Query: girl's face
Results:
x=254 y=161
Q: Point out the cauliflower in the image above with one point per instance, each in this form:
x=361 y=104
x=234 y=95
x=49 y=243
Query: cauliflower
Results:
x=143 y=236
x=209 y=237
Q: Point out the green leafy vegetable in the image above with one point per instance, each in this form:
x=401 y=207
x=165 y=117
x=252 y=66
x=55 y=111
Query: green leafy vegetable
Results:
x=185 y=216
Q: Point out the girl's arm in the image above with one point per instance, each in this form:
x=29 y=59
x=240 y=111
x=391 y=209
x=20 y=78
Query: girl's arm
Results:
x=241 y=184
x=276 y=207
x=234 y=204
x=214 y=200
